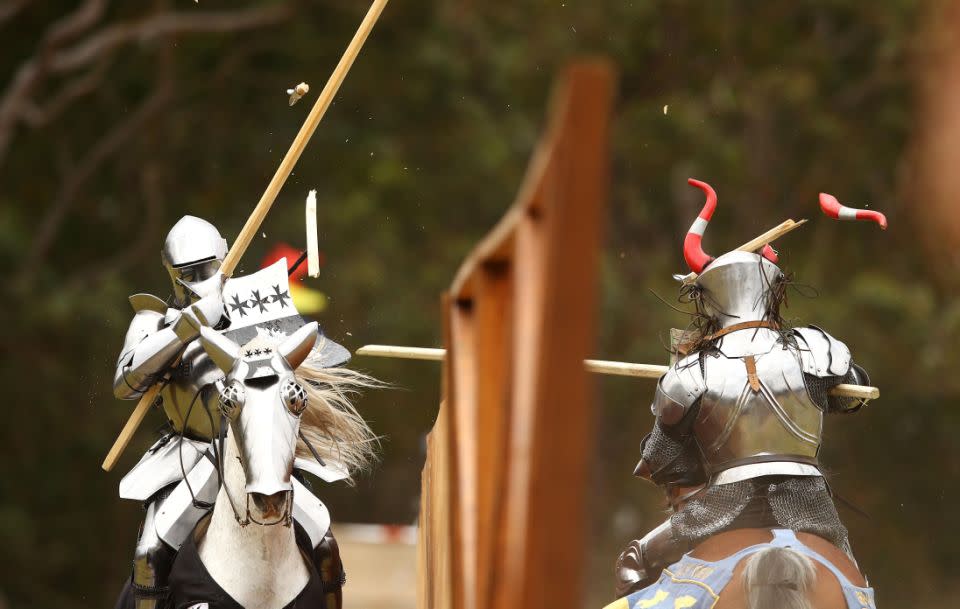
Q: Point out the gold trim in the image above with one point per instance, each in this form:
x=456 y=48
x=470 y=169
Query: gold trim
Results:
x=716 y=597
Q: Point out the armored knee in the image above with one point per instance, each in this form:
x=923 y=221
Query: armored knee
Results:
x=152 y=562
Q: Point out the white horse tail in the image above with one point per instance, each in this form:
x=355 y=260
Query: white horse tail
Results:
x=778 y=578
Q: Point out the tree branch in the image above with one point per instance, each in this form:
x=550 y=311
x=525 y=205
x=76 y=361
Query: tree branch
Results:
x=106 y=147
x=31 y=73
x=140 y=246
x=166 y=25
x=16 y=104
x=10 y=10
x=37 y=116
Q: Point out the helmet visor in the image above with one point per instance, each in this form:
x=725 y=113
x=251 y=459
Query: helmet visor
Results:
x=201 y=271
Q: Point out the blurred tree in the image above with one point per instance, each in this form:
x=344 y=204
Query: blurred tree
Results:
x=135 y=114
x=931 y=178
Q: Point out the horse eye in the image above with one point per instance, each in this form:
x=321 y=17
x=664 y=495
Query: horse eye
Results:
x=294 y=397
x=231 y=399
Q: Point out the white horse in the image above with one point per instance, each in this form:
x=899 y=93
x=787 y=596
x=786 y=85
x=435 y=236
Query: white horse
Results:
x=259 y=546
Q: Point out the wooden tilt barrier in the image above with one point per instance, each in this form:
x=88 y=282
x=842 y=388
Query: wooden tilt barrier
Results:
x=503 y=502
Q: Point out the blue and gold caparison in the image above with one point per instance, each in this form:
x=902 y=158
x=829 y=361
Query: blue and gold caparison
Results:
x=692 y=583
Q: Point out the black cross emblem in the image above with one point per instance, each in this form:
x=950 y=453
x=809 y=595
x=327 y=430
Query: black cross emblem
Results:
x=281 y=297
x=237 y=305
x=256 y=301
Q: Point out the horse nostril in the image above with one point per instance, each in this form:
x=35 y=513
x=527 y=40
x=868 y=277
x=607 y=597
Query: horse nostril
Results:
x=270 y=506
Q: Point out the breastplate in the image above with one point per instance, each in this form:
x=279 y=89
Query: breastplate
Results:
x=196 y=376
x=759 y=411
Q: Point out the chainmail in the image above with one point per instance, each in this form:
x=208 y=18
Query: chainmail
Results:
x=801 y=504
x=817 y=388
x=804 y=504
x=671 y=459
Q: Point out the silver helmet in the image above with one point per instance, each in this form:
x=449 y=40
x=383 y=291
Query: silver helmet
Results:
x=192 y=253
x=737 y=287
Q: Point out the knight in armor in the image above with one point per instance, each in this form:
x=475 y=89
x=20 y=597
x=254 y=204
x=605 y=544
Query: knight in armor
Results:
x=739 y=415
x=161 y=347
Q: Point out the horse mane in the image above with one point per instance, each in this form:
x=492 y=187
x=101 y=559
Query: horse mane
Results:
x=331 y=423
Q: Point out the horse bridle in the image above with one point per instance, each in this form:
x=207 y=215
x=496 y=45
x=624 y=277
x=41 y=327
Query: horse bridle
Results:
x=218 y=449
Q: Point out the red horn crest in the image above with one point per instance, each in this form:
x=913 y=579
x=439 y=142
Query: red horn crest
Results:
x=693 y=252
x=834 y=209
x=769 y=253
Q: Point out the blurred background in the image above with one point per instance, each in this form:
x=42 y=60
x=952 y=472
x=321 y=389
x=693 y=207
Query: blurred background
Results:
x=118 y=118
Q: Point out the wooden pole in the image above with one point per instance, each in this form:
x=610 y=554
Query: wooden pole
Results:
x=300 y=142
x=599 y=366
x=253 y=223
x=126 y=434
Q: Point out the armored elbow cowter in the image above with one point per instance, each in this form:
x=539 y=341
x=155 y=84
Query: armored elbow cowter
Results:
x=642 y=561
x=826 y=363
x=155 y=338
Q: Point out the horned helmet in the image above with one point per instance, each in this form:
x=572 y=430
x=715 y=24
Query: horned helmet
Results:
x=741 y=286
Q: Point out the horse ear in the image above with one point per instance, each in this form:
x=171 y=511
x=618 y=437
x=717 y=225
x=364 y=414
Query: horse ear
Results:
x=223 y=351
x=297 y=346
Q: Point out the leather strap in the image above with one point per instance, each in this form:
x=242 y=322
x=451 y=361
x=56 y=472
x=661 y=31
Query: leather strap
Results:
x=743 y=326
x=751 y=365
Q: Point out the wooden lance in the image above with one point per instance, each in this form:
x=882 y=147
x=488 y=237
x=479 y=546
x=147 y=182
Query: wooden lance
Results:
x=599 y=366
x=650 y=371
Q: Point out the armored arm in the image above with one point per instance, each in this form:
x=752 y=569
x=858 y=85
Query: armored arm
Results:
x=827 y=363
x=156 y=336
x=670 y=454
x=641 y=562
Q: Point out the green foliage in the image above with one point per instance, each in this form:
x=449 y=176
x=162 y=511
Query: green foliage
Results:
x=421 y=153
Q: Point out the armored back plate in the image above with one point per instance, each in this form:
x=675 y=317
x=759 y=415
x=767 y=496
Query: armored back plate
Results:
x=759 y=411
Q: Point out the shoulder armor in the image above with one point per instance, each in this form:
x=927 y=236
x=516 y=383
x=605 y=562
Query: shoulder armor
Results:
x=331 y=471
x=147 y=302
x=678 y=390
x=821 y=354
x=331 y=354
x=144 y=323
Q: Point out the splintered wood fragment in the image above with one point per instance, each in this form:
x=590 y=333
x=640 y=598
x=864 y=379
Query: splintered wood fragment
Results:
x=771 y=235
x=863 y=392
x=423 y=353
x=313 y=250
x=599 y=366
x=297 y=92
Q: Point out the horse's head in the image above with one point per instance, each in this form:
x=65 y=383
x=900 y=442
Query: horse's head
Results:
x=263 y=401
